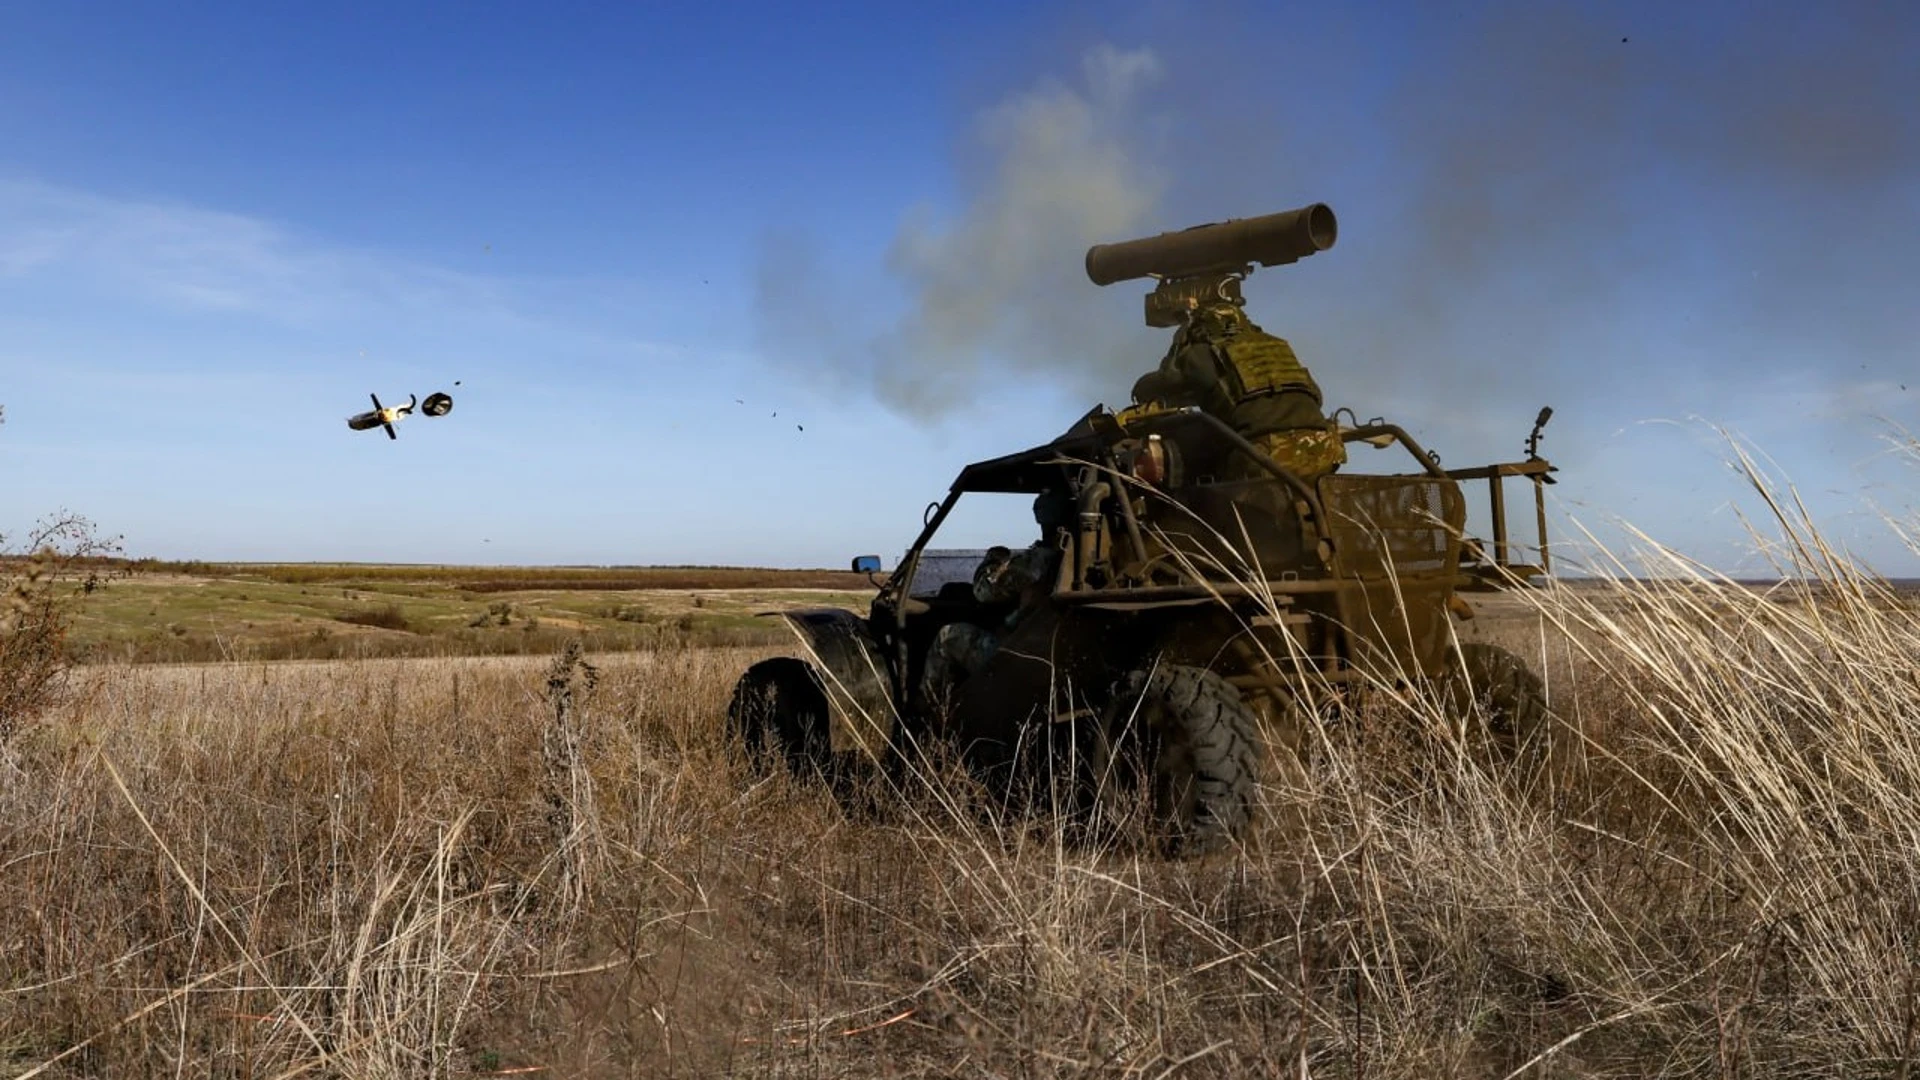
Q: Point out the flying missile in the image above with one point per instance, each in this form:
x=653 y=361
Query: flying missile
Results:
x=383 y=416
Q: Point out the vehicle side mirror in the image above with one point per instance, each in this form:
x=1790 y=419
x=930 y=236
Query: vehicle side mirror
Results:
x=866 y=564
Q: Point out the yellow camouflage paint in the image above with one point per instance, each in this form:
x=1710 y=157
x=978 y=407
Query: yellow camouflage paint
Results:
x=1135 y=413
x=1309 y=453
x=1266 y=363
x=1306 y=452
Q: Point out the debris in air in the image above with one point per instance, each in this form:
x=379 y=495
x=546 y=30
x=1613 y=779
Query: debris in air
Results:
x=385 y=416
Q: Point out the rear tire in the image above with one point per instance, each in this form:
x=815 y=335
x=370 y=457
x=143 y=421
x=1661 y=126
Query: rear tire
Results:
x=1178 y=746
x=1505 y=706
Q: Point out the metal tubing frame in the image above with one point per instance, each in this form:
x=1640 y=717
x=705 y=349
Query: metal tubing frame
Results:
x=1535 y=470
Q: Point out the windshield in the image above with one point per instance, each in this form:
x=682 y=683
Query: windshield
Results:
x=978 y=521
x=942 y=566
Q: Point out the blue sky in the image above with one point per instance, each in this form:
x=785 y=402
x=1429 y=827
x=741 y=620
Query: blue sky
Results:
x=636 y=235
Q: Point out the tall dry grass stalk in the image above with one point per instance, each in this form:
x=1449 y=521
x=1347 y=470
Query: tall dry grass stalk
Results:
x=567 y=785
x=59 y=561
x=1775 y=735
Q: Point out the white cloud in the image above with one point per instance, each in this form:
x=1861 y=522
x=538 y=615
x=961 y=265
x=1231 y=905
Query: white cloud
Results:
x=128 y=258
x=188 y=259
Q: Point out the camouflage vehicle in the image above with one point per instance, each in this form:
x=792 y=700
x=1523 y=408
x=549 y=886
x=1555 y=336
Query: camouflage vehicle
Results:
x=1204 y=604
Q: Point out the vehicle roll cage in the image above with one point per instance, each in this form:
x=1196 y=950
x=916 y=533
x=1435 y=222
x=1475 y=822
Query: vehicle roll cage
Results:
x=1094 y=451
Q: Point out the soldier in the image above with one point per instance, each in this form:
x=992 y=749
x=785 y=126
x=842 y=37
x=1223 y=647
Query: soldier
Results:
x=1021 y=578
x=1224 y=363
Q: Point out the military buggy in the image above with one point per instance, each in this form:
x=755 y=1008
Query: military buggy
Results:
x=1207 y=603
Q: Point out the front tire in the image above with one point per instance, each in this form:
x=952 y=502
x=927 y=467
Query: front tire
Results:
x=779 y=715
x=1178 y=747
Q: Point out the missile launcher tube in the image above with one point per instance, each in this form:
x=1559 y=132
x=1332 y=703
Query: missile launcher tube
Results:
x=1270 y=240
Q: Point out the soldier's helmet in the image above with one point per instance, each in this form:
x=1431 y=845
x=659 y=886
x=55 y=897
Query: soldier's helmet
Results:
x=1054 y=509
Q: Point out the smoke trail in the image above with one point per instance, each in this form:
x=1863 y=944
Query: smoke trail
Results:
x=1001 y=286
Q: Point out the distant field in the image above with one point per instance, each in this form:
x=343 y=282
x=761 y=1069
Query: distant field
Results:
x=513 y=578
x=198 y=611
x=222 y=611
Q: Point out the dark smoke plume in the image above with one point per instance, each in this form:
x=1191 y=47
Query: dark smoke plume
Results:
x=1535 y=203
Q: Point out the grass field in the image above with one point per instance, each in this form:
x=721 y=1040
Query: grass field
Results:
x=473 y=865
x=199 y=611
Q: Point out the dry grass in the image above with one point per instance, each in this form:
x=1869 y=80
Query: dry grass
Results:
x=431 y=868
x=37 y=594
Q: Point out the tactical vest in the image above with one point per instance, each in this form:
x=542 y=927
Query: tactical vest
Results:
x=1263 y=364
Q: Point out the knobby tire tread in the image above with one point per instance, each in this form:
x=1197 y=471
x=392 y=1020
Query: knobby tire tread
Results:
x=1214 y=745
